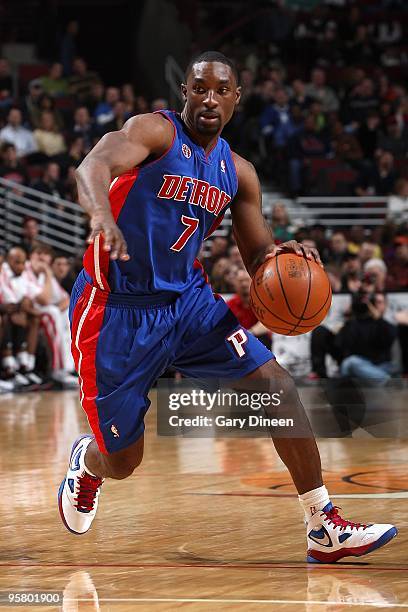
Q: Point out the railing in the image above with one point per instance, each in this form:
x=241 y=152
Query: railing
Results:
x=62 y=224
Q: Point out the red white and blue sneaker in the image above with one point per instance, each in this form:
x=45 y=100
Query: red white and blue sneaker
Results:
x=330 y=537
x=79 y=491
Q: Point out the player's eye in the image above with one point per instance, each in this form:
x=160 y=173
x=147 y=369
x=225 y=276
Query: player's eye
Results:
x=199 y=90
x=223 y=90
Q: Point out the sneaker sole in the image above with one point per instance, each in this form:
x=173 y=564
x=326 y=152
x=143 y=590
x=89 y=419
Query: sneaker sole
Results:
x=62 y=485
x=356 y=552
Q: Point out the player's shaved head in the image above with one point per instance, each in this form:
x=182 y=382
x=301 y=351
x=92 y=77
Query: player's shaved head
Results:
x=16 y=258
x=212 y=56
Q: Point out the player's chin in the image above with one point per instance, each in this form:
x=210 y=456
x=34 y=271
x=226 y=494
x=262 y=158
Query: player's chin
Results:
x=208 y=127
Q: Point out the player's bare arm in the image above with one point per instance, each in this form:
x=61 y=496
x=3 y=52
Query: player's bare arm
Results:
x=253 y=234
x=116 y=153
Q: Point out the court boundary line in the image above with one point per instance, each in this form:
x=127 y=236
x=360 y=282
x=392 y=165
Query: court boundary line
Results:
x=323 y=567
x=372 y=604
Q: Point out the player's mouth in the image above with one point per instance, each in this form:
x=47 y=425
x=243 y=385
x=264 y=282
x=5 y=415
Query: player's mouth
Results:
x=209 y=118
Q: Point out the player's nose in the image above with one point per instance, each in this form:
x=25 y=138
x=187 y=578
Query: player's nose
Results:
x=210 y=100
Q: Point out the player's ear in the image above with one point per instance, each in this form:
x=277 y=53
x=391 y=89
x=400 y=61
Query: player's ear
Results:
x=184 y=91
x=238 y=95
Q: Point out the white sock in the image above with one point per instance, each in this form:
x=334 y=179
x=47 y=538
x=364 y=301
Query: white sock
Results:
x=313 y=501
x=31 y=362
x=10 y=363
x=23 y=359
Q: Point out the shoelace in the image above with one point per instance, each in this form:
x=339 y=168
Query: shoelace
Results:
x=88 y=488
x=334 y=518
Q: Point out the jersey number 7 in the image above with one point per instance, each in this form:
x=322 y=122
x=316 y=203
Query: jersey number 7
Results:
x=191 y=225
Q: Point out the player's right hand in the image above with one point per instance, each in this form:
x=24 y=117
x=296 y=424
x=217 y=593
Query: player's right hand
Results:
x=114 y=242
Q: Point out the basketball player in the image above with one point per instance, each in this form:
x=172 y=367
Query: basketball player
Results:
x=154 y=190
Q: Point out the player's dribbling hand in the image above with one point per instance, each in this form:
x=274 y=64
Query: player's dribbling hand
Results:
x=291 y=246
x=114 y=242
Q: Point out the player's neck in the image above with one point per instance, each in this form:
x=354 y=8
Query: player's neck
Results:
x=206 y=142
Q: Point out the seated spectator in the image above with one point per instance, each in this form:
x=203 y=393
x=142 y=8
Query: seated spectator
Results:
x=10 y=167
x=395 y=139
x=6 y=83
x=397 y=279
x=351 y=274
x=276 y=121
x=54 y=313
x=104 y=111
x=74 y=155
x=51 y=181
x=367 y=134
x=54 y=84
x=305 y=145
x=338 y=250
x=70 y=185
x=141 y=105
x=127 y=94
x=82 y=80
x=159 y=104
x=46 y=103
x=63 y=272
x=281 y=228
x=16 y=134
x=318 y=90
x=376 y=270
x=84 y=127
x=398 y=202
x=95 y=97
x=361 y=100
x=31 y=231
x=347 y=146
x=31 y=107
x=20 y=340
x=120 y=116
x=379 y=180
x=366 y=340
x=299 y=96
x=218 y=248
x=235 y=257
x=218 y=280
x=369 y=250
x=239 y=304
x=49 y=140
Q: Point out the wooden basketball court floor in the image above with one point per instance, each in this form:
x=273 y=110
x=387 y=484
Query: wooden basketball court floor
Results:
x=204 y=524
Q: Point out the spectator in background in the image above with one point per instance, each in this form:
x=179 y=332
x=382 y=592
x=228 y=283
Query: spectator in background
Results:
x=95 y=97
x=218 y=248
x=6 y=84
x=82 y=80
x=369 y=250
x=128 y=96
x=235 y=257
x=69 y=46
x=281 y=228
x=31 y=232
x=31 y=107
x=84 y=127
x=120 y=116
x=276 y=121
x=351 y=274
x=51 y=181
x=54 y=84
x=307 y=144
x=10 y=167
x=218 y=280
x=395 y=138
x=74 y=155
x=141 y=105
x=16 y=134
x=367 y=134
x=366 y=341
x=299 y=96
x=70 y=185
x=62 y=270
x=239 y=304
x=338 y=250
x=380 y=180
x=49 y=140
x=159 y=104
x=397 y=279
x=398 y=202
x=104 y=111
x=46 y=103
x=376 y=270
x=360 y=102
x=318 y=90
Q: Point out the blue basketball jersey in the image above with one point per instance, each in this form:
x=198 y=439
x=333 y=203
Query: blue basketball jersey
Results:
x=165 y=209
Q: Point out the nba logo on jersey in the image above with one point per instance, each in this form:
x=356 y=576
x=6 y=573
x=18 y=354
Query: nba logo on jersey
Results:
x=222 y=164
x=186 y=151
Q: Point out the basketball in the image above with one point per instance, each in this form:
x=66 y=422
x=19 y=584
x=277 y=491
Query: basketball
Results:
x=290 y=295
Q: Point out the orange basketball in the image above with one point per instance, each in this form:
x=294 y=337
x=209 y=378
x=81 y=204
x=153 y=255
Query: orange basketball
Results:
x=290 y=295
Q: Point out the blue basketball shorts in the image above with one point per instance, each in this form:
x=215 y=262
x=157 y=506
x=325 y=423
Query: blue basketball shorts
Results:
x=122 y=343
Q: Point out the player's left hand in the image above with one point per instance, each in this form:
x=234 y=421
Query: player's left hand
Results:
x=291 y=246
